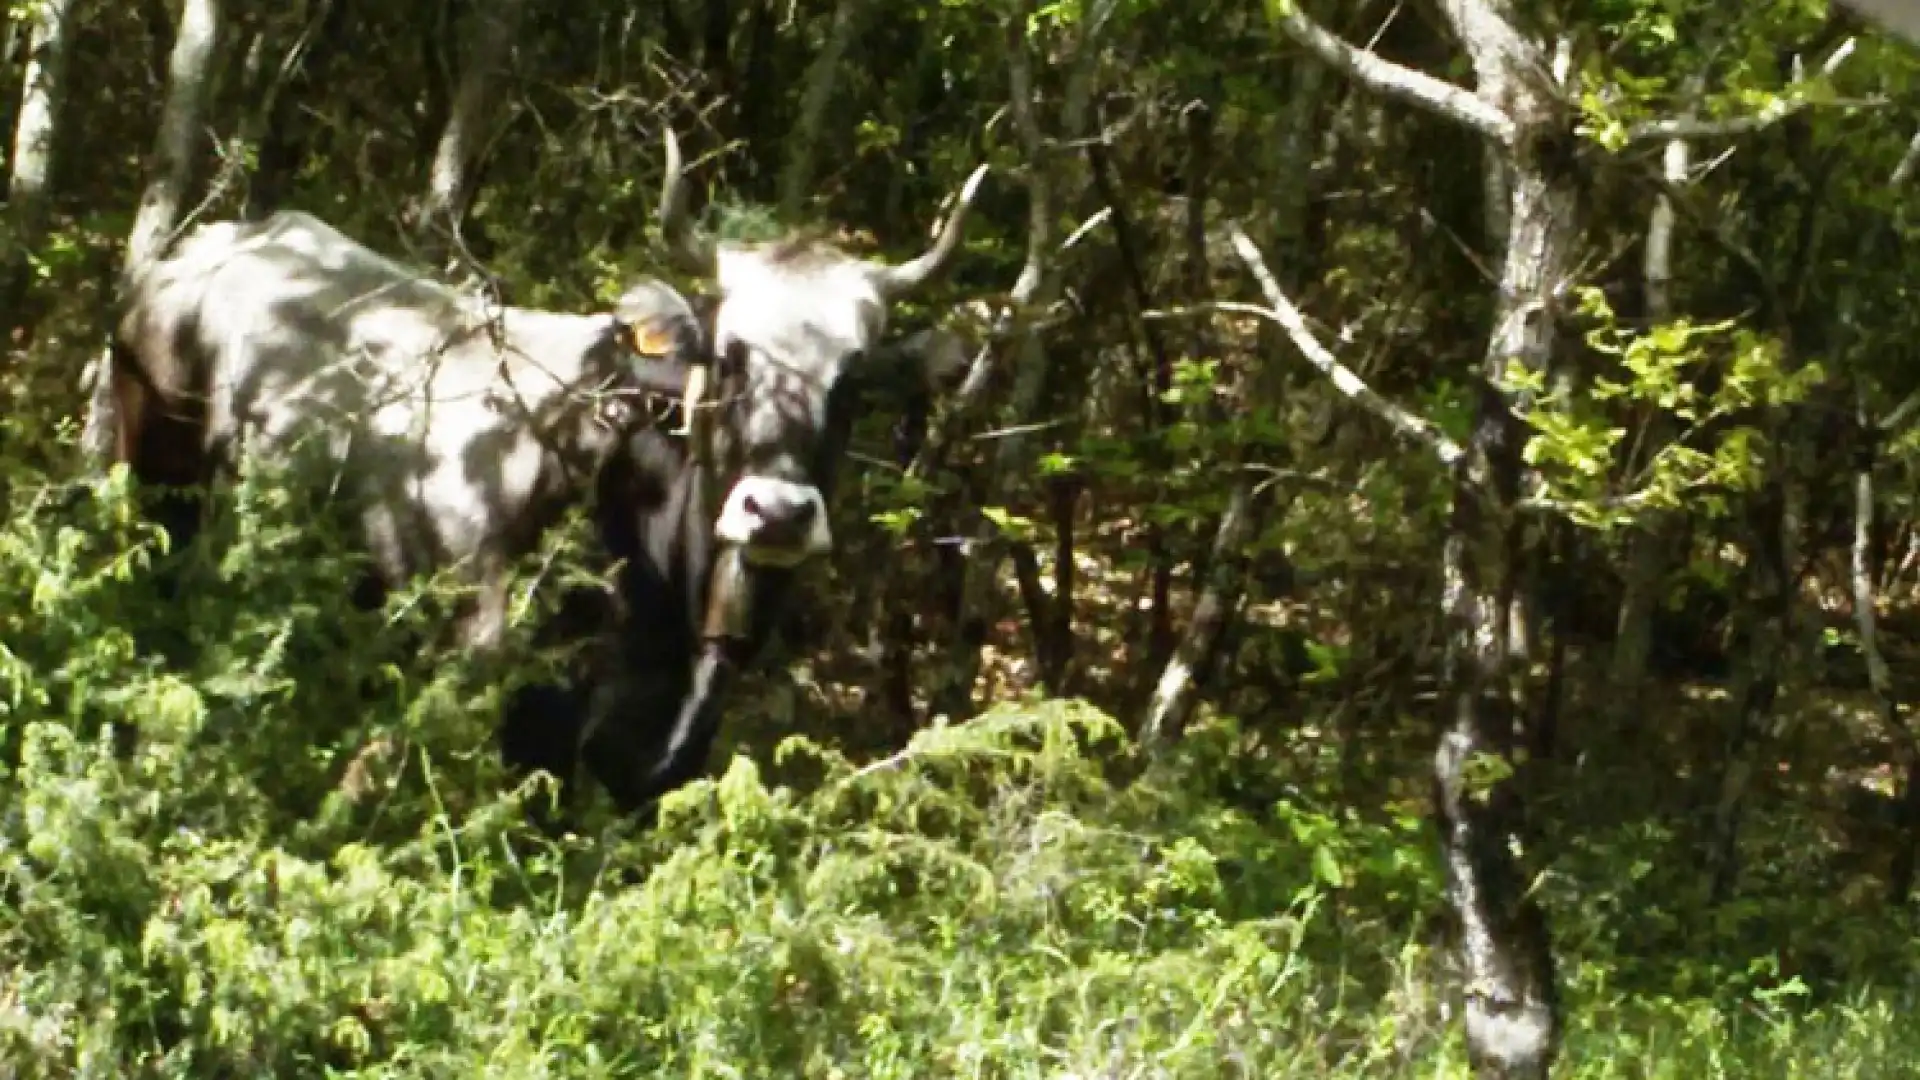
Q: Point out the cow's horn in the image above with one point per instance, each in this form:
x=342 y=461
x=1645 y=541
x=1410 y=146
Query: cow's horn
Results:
x=695 y=423
x=693 y=252
x=896 y=281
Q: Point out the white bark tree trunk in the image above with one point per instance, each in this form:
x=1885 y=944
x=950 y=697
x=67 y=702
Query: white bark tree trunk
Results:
x=1647 y=547
x=35 y=138
x=1512 y=1014
x=190 y=70
x=489 y=47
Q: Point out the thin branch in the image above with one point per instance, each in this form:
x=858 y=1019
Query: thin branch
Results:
x=1387 y=78
x=1790 y=101
x=1909 y=161
x=1283 y=312
x=1098 y=219
x=1540 y=503
x=1898 y=417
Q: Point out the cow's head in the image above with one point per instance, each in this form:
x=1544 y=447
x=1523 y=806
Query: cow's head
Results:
x=795 y=323
x=657 y=340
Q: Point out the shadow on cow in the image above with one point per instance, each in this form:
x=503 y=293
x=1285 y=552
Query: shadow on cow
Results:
x=454 y=435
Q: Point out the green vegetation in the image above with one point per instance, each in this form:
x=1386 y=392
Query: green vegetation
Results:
x=954 y=829
x=1023 y=895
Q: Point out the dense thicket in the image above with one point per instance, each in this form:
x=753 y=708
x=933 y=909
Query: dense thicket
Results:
x=1430 y=537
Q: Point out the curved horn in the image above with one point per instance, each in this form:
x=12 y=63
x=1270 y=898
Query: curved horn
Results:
x=896 y=281
x=696 y=423
x=694 y=253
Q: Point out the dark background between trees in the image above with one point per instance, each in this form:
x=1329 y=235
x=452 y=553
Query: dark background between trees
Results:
x=1428 y=537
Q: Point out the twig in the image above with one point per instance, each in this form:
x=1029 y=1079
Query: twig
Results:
x=1898 y=417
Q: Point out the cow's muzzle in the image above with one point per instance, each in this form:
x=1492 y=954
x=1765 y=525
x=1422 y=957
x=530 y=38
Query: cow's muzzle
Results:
x=774 y=522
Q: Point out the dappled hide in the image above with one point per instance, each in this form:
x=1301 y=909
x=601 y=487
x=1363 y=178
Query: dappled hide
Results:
x=460 y=432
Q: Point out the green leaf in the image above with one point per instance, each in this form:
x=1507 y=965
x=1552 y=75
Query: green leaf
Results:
x=1326 y=867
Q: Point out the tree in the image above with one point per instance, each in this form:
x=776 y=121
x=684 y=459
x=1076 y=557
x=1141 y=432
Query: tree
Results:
x=190 y=71
x=36 y=137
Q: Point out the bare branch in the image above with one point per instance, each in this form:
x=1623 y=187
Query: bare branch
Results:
x=1283 y=312
x=1791 y=100
x=1909 y=161
x=1385 y=77
x=1899 y=416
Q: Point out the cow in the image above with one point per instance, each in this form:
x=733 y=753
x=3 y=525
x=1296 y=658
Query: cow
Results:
x=462 y=431
x=797 y=348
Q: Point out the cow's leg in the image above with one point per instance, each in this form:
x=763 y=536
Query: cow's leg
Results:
x=161 y=445
x=637 y=759
x=481 y=628
x=540 y=731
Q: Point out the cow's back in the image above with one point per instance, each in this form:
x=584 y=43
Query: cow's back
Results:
x=295 y=335
x=248 y=313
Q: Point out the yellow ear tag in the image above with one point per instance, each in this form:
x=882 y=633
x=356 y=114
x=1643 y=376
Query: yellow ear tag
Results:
x=650 y=341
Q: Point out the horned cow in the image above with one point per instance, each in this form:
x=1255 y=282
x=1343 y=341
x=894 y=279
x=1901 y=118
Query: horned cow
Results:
x=461 y=433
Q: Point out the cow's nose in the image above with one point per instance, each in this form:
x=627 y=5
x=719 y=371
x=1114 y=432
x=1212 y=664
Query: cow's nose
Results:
x=782 y=510
x=798 y=513
x=774 y=519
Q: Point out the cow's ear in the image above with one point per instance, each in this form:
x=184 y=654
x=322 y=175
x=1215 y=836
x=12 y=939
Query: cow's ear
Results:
x=655 y=319
x=936 y=357
x=653 y=338
x=939 y=356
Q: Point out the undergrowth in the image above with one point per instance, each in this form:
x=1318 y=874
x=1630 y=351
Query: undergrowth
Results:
x=309 y=865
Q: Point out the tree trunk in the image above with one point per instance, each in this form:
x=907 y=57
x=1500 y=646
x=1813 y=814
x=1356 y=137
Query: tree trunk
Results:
x=190 y=70
x=803 y=142
x=1512 y=1003
x=1034 y=291
x=1154 y=377
x=490 y=35
x=1648 y=547
x=1512 y=1020
x=1219 y=572
x=1512 y=1009
x=276 y=126
x=1178 y=689
x=35 y=144
x=1760 y=627
x=1879 y=676
x=1870 y=552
